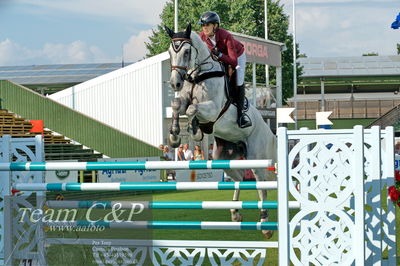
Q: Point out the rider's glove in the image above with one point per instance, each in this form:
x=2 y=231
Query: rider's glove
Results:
x=215 y=53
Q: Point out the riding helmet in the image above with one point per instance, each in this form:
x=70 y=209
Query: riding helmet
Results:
x=209 y=17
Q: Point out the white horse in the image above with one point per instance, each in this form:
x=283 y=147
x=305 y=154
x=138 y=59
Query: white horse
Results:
x=201 y=83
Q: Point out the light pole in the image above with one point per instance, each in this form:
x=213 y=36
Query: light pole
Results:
x=176 y=16
x=294 y=67
x=266 y=37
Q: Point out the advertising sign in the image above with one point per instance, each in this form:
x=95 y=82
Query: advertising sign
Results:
x=62 y=176
x=105 y=176
x=203 y=175
x=259 y=50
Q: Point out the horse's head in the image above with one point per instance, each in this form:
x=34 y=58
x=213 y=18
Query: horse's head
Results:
x=181 y=55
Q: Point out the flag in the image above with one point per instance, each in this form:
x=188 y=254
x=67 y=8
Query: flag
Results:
x=322 y=118
x=37 y=126
x=283 y=115
x=396 y=23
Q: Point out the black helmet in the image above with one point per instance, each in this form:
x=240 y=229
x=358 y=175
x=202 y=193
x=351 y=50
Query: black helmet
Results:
x=209 y=17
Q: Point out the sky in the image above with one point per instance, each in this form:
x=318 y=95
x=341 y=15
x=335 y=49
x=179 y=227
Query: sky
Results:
x=34 y=32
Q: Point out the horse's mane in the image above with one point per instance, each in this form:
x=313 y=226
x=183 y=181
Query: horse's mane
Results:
x=199 y=44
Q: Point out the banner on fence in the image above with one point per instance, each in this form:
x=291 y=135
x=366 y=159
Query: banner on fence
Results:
x=105 y=176
x=206 y=175
x=397 y=162
x=62 y=176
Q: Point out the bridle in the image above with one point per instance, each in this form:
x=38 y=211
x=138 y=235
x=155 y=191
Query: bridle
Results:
x=177 y=44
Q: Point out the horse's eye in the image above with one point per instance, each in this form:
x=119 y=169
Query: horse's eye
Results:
x=186 y=53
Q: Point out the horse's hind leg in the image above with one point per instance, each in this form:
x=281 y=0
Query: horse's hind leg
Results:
x=260 y=175
x=235 y=175
x=235 y=214
x=225 y=150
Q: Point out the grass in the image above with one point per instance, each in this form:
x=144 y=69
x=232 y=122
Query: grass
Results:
x=82 y=256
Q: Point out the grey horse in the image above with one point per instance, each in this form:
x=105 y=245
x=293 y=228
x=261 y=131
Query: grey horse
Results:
x=201 y=84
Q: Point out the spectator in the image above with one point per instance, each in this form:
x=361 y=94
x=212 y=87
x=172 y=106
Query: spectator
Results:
x=198 y=153
x=168 y=155
x=181 y=154
x=161 y=147
x=188 y=153
x=210 y=151
x=397 y=148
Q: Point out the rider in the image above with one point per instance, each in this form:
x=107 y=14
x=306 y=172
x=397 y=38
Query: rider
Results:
x=226 y=49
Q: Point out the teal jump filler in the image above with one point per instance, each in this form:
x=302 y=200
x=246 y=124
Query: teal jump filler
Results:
x=145 y=186
x=147 y=165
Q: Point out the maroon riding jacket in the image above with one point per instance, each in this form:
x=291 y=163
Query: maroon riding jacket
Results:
x=230 y=48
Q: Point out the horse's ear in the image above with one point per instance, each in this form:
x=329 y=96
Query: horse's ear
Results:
x=188 y=31
x=169 y=31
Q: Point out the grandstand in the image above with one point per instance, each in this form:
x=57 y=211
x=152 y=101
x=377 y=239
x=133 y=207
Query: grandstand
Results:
x=351 y=87
x=48 y=79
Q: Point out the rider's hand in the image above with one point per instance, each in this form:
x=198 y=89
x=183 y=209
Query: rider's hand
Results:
x=215 y=53
x=230 y=71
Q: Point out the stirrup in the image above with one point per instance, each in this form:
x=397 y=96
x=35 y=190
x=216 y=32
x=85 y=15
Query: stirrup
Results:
x=244 y=121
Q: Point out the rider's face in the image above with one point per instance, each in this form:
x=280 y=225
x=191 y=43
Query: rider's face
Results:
x=208 y=29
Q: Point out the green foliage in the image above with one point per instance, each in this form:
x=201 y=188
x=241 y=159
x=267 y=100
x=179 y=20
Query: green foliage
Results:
x=242 y=16
x=370 y=54
x=398 y=48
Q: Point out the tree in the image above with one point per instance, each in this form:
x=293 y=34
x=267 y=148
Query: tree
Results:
x=242 y=16
x=370 y=54
x=398 y=48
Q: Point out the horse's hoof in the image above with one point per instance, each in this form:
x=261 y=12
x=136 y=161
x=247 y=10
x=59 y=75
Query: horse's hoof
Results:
x=175 y=130
x=236 y=217
x=174 y=141
x=267 y=233
x=198 y=136
x=191 y=110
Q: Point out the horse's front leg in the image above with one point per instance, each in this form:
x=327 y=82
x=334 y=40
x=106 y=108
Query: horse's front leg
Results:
x=174 y=139
x=204 y=111
x=194 y=129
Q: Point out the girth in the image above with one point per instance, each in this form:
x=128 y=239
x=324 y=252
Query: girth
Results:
x=204 y=76
x=208 y=127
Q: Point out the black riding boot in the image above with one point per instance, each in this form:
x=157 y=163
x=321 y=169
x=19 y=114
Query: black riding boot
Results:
x=243 y=119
